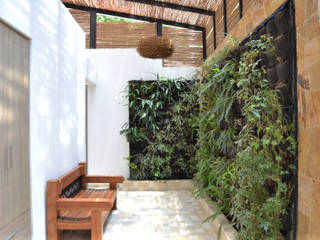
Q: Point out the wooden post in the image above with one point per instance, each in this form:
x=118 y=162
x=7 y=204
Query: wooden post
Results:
x=52 y=214
x=96 y=225
x=84 y=172
x=85 y=168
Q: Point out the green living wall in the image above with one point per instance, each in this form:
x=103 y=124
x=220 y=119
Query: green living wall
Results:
x=246 y=146
x=234 y=132
x=161 y=130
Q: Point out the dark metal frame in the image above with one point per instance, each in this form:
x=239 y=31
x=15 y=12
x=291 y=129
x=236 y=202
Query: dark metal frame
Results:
x=93 y=27
x=225 y=17
x=241 y=8
x=204 y=43
x=183 y=8
x=159 y=29
x=161 y=22
x=134 y=16
x=295 y=91
x=214 y=31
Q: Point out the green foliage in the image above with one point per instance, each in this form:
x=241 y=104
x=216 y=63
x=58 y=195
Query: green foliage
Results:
x=246 y=142
x=161 y=130
x=105 y=18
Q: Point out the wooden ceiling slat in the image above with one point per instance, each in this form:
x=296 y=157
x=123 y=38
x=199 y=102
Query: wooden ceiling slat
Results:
x=155 y=11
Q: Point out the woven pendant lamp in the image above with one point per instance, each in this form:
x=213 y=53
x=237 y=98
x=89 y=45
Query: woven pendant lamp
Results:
x=155 y=47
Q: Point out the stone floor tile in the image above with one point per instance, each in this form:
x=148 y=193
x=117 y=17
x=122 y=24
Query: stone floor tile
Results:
x=153 y=215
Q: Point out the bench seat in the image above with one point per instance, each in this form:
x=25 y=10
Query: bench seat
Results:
x=73 y=206
x=85 y=215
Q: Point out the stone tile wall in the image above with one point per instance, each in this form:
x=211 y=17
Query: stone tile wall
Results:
x=308 y=61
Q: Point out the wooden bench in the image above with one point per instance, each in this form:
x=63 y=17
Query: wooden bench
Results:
x=71 y=206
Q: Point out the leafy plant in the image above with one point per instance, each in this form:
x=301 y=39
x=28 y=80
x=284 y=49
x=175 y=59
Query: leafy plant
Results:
x=246 y=142
x=161 y=130
x=105 y=18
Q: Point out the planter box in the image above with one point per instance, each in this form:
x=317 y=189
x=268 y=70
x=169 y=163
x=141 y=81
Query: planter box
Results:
x=227 y=230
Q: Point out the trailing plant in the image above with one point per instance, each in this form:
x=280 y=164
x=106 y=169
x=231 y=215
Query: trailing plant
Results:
x=246 y=143
x=161 y=132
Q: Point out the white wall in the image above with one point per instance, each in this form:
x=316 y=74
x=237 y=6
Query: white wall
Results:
x=56 y=93
x=107 y=111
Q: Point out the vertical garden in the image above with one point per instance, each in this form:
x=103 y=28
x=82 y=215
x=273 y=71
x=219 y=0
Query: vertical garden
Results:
x=246 y=147
x=233 y=131
x=162 y=130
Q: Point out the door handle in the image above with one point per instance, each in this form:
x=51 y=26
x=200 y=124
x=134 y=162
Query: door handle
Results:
x=10 y=156
x=6 y=157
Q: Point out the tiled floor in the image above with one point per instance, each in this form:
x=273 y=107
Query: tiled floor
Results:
x=171 y=215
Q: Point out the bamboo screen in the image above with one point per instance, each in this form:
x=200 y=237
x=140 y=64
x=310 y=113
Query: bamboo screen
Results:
x=188 y=47
x=220 y=23
x=233 y=12
x=188 y=43
x=123 y=35
x=152 y=11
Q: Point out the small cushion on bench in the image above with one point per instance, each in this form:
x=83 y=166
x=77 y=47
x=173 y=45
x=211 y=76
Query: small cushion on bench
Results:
x=84 y=215
x=72 y=190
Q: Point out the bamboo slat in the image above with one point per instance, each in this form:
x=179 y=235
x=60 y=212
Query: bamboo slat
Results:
x=233 y=12
x=123 y=35
x=153 y=11
x=83 y=19
x=220 y=24
x=115 y=38
x=188 y=47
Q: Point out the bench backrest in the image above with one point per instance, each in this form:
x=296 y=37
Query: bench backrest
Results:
x=56 y=187
x=68 y=181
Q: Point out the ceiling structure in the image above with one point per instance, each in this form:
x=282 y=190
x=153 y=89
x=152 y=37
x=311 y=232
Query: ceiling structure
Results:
x=199 y=15
x=155 y=9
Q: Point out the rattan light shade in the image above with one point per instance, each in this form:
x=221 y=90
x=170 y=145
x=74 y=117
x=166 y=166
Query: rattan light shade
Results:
x=155 y=47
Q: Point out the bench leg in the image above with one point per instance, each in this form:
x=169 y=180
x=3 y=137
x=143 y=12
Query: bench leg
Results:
x=96 y=225
x=53 y=233
x=52 y=227
x=114 y=205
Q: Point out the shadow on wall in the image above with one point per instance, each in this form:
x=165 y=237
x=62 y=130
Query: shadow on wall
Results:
x=56 y=101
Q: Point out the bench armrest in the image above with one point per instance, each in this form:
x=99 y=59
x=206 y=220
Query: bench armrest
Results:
x=102 y=179
x=84 y=203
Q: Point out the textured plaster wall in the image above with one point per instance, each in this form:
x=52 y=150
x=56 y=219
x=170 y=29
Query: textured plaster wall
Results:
x=308 y=60
x=57 y=96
